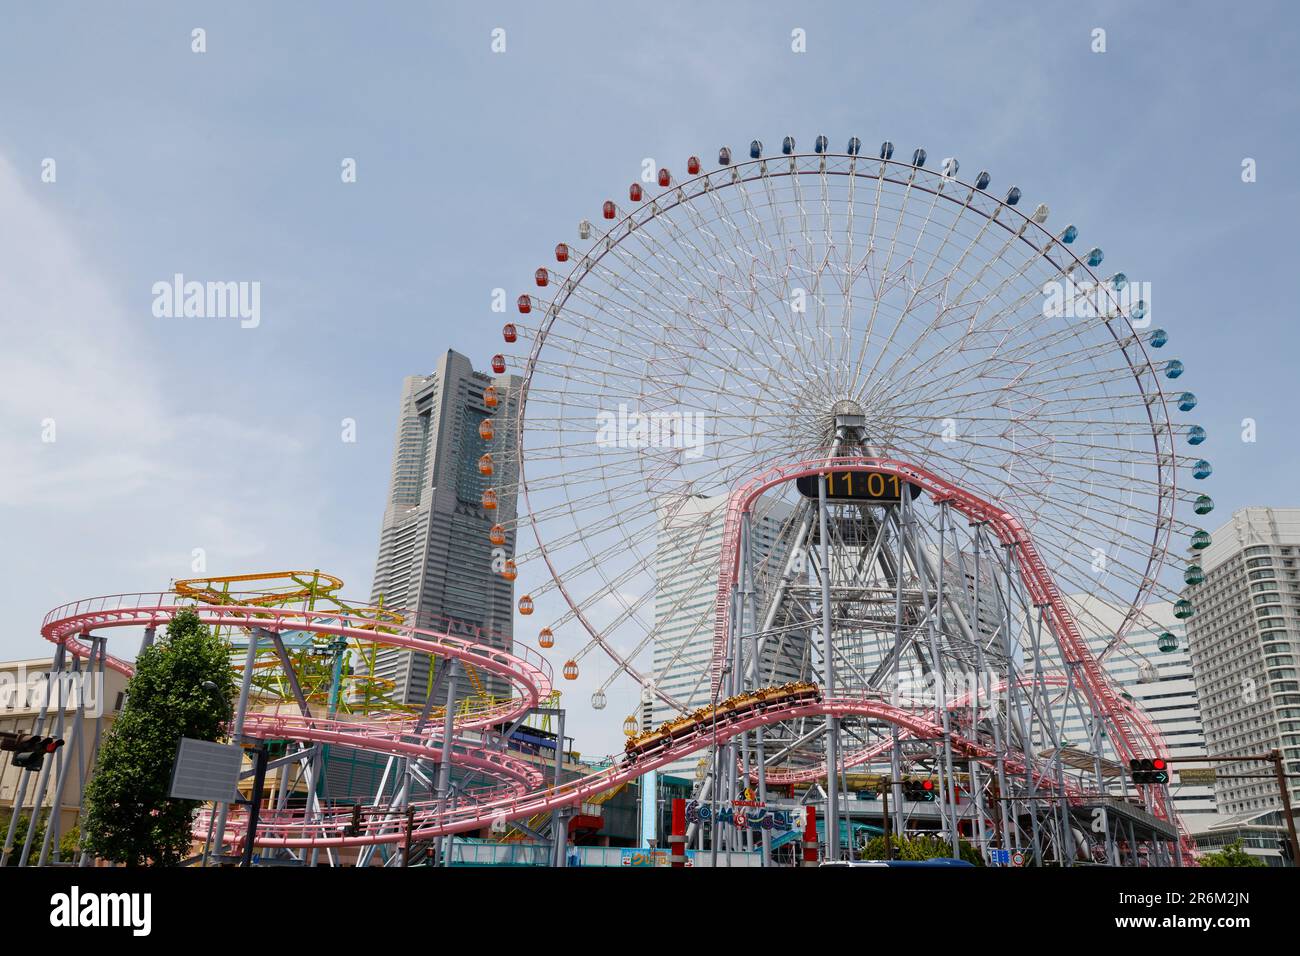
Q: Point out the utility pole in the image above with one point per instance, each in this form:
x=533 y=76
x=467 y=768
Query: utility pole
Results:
x=1285 y=791
x=1279 y=774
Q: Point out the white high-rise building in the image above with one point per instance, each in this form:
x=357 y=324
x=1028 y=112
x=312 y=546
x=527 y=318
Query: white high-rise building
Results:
x=1244 y=637
x=686 y=566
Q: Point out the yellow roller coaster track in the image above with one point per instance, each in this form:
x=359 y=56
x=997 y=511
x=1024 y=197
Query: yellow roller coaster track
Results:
x=318 y=591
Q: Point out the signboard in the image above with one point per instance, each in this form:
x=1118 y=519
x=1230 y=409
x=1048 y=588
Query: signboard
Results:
x=650 y=856
x=743 y=814
x=1000 y=857
x=1197 y=776
x=206 y=771
x=868 y=487
x=1017 y=859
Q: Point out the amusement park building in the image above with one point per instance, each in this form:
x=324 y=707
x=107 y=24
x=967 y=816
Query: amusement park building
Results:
x=434 y=554
x=686 y=569
x=23 y=685
x=1244 y=637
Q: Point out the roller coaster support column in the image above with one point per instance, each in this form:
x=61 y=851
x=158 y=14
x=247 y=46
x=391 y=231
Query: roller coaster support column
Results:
x=56 y=665
x=559 y=821
x=948 y=787
x=74 y=750
x=444 y=765
x=896 y=751
x=1010 y=814
x=43 y=777
x=896 y=776
x=828 y=680
x=760 y=762
x=884 y=818
x=810 y=836
x=255 y=802
x=744 y=622
x=93 y=755
x=677 y=840
x=237 y=731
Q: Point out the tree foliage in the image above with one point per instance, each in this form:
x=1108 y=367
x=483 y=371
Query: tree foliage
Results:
x=1231 y=855
x=922 y=846
x=129 y=818
x=69 y=841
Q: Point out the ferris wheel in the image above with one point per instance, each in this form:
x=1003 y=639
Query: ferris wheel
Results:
x=714 y=323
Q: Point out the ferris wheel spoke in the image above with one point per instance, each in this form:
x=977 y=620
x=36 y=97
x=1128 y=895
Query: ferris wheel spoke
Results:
x=997 y=318
x=814 y=264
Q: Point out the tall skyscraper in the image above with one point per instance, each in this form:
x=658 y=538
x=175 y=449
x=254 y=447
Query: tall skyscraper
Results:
x=1244 y=636
x=434 y=553
x=687 y=558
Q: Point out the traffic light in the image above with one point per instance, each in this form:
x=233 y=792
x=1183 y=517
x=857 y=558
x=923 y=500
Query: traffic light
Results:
x=919 y=791
x=1150 y=771
x=354 y=827
x=29 y=749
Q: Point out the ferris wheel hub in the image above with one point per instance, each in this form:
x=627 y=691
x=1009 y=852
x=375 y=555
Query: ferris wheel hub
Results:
x=848 y=423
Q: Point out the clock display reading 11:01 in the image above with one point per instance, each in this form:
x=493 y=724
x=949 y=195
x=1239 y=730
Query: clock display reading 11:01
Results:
x=871 y=487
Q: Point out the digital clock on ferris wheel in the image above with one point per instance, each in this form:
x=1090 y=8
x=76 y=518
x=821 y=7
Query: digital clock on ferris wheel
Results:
x=867 y=487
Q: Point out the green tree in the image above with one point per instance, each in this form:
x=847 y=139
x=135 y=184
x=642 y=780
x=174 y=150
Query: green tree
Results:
x=1231 y=855
x=70 y=845
x=20 y=832
x=923 y=846
x=68 y=842
x=129 y=818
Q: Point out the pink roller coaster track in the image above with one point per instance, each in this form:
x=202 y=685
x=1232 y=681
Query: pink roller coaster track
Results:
x=520 y=793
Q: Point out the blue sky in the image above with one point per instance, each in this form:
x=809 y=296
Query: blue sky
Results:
x=174 y=434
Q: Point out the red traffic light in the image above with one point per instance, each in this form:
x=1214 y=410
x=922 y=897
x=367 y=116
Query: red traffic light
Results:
x=1159 y=764
x=927 y=784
